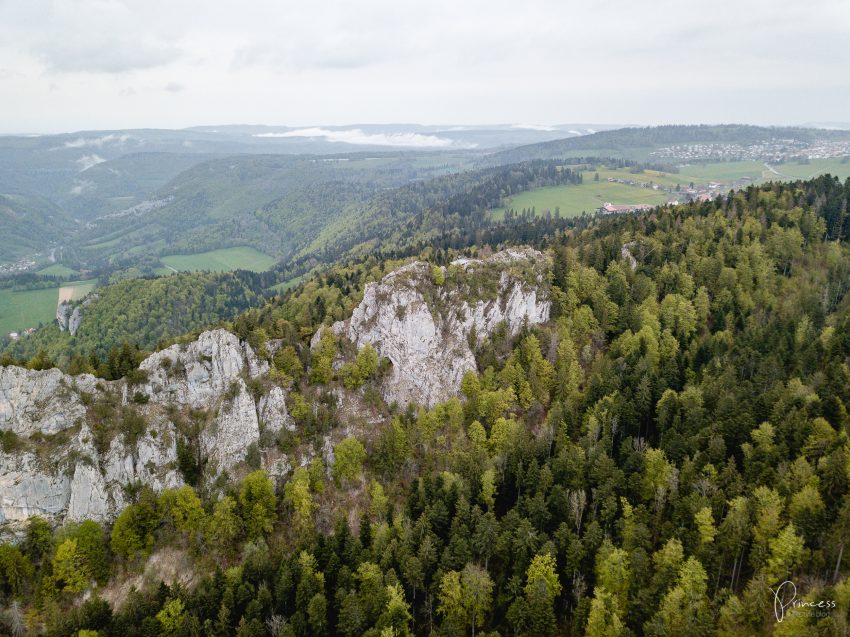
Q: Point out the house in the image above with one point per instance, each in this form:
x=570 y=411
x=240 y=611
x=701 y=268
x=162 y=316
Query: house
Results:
x=14 y=336
x=609 y=208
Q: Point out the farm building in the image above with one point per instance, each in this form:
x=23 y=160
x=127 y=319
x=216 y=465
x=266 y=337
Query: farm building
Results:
x=609 y=208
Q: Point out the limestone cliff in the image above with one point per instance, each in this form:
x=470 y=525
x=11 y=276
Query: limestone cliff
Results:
x=54 y=464
x=45 y=402
x=423 y=321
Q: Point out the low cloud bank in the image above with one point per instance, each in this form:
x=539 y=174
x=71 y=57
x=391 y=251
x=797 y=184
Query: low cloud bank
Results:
x=358 y=137
x=87 y=161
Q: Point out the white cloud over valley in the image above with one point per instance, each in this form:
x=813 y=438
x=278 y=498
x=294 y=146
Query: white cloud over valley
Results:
x=88 y=161
x=358 y=137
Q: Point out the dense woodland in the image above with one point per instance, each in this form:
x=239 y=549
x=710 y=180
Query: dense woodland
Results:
x=673 y=443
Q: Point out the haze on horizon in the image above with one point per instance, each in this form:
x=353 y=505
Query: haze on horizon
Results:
x=68 y=65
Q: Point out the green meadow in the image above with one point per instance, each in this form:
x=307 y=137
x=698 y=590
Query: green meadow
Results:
x=574 y=199
x=223 y=260
x=57 y=269
x=28 y=308
x=20 y=310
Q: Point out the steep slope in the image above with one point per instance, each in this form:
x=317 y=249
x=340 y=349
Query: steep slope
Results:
x=73 y=445
x=30 y=224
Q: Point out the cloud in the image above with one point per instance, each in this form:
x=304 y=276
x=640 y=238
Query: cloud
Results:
x=87 y=161
x=71 y=64
x=358 y=137
x=173 y=87
x=97 y=142
x=538 y=127
x=104 y=55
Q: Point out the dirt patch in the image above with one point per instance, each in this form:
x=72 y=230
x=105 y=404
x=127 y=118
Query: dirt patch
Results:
x=67 y=293
x=167 y=565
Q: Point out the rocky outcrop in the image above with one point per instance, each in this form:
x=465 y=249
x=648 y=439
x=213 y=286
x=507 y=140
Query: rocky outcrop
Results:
x=75 y=320
x=46 y=402
x=63 y=313
x=28 y=488
x=273 y=412
x=57 y=470
x=69 y=315
x=425 y=328
x=195 y=374
x=226 y=442
x=626 y=253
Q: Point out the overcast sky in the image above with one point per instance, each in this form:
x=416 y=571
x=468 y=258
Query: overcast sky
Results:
x=98 y=64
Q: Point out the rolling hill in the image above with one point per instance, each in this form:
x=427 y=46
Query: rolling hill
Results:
x=638 y=143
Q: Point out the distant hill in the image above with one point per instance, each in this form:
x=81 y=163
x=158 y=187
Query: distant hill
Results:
x=131 y=193
x=636 y=142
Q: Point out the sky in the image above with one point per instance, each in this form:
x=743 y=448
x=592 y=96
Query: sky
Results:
x=69 y=65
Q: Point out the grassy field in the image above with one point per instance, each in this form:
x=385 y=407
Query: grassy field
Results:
x=572 y=200
x=75 y=290
x=21 y=310
x=223 y=260
x=814 y=168
x=57 y=269
x=280 y=288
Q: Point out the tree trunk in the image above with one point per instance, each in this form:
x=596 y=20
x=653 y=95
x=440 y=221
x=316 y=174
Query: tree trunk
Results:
x=838 y=563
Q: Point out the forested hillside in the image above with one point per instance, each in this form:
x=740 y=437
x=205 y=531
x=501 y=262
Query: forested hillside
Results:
x=635 y=143
x=670 y=445
x=142 y=312
x=27 y=222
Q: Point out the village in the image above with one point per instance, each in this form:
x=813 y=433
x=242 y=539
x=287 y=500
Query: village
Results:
x=24 y=264
x=774 y=151
x=677 y=195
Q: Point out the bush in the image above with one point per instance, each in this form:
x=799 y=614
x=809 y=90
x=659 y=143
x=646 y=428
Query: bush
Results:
x=438 y=276
x=348 y=459
x=10 y=441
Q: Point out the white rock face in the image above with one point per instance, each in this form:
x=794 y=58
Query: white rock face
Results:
x=196 y=374
x=428 y=343
x=89 y=498
x=273 y=412
x=28 y=488
x=626 y=253
x=76 y=319
x=236 y=427
x=63 y=312
x=45 y=402
x=73 y=481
